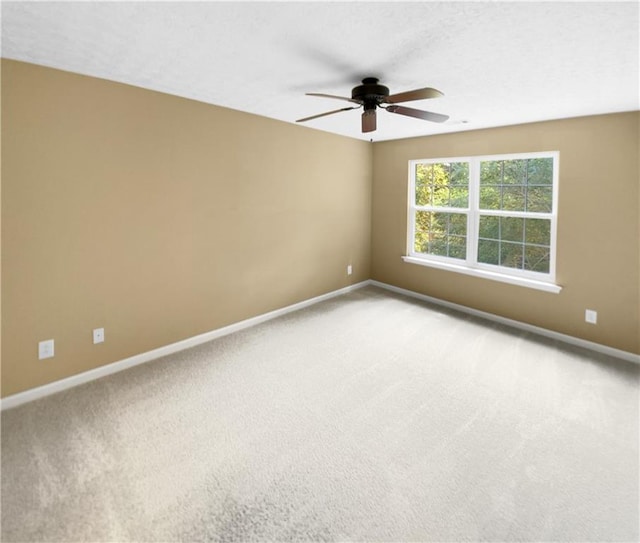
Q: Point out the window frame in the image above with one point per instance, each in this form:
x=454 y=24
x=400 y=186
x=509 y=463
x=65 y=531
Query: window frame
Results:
x=470 y=265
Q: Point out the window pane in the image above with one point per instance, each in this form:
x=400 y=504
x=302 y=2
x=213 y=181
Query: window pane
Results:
x=540 y=171
x=491 y=173
x=514 y=172
x=421 y=242
x=439 y=223
x=458 y=247
x=439 y=173
x=489 y=227
x=438 y=245
x=511 y=254
x=423 y=194
x=513 y=198
x=488 y=251
x=460 y=174
x=536 y=259
x=441 y=196
x=512 y=229
x=422 y=171
x=423 y=221
x=423 y=224
x=490 y=198
x=539 y=199
x=538 y=231
x=459 y=196
x=424 y=184
x=458 y=224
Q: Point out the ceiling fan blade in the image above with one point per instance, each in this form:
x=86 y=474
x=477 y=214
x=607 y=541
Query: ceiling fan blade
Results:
x=418 y=94
x=324 y=114
x=418 y=113
x=369 y=120
x=321 y=95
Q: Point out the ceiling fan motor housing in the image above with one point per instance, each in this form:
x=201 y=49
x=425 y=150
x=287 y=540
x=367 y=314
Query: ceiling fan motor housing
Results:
x=370 y=93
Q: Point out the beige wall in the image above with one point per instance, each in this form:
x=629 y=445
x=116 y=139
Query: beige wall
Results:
x=598 y=226
x=159 y=218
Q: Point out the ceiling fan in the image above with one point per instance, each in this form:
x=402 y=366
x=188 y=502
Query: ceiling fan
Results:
x=371 y=95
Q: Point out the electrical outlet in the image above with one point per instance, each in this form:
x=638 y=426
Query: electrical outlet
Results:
x=591 y=316
x=45 y=349
x=98 y=335
x=349 y=269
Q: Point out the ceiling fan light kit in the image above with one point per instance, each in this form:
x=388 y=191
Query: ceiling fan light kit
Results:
x=370 y=95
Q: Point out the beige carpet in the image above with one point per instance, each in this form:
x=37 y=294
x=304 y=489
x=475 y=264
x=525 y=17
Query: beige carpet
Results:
x=369 y=417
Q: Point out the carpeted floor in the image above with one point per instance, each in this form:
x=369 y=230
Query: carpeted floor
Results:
x=369 y=417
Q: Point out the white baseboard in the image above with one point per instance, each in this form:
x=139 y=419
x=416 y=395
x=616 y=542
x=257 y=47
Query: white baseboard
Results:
x=114 y=367
x=604 y=349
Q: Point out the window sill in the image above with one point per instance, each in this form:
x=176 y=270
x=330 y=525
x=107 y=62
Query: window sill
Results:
x=511 y=279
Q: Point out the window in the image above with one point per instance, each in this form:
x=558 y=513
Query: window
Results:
x=492 y=216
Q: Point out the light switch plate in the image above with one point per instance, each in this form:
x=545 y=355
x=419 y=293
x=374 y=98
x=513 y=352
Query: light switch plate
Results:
x=591 y=316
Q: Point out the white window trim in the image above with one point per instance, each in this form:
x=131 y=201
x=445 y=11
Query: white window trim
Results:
x=470 y=266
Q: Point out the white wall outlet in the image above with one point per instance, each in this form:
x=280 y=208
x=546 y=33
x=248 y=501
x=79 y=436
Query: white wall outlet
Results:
x=45 y=349
x=591 y=316
x=98 y=335
x=349 y=269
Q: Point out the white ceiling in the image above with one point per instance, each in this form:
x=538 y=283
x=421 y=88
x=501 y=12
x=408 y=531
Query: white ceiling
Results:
x=497 y=63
